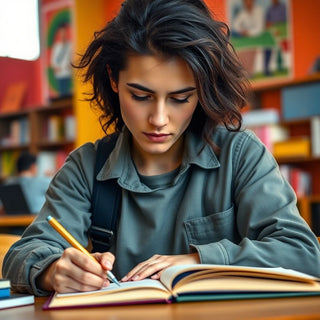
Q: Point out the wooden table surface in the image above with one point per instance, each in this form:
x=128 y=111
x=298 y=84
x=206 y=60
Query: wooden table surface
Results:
x=16 y=220
x=284 y=308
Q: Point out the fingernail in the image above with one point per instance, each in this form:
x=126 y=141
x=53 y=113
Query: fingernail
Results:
x=135 y=278
x=125 y=278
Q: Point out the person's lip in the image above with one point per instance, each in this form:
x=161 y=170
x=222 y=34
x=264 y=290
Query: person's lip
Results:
x=156 y=137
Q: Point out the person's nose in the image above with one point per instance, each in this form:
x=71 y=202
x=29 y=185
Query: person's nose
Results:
x=159 y=114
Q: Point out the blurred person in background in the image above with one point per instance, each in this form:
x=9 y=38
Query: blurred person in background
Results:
x=34 y=186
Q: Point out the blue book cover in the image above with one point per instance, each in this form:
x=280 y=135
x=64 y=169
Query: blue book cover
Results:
x=4 y=293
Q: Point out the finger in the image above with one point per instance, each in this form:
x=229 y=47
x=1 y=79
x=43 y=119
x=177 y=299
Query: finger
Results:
x=147 y=268
x=135 y=271
x=156 y=276
x=84 y=262
x=150 y=270
x=74 y=271
x=76 y=279
x=105 y=259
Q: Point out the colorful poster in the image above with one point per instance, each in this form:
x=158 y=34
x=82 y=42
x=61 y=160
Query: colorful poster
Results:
x=261 y=36
x=57 y=48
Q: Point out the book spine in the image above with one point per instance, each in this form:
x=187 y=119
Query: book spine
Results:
x=299 y=180
x=315 y=136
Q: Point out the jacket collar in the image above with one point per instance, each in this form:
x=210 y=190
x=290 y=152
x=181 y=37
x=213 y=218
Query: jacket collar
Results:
x=120 y=166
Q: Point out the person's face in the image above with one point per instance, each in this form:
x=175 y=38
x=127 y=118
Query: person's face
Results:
x=157 y=100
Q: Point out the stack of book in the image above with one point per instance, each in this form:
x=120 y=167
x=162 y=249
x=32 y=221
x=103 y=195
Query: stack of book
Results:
x=9 y=299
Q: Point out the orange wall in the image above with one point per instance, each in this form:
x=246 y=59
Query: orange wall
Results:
x=90 y=16
x=306 y=34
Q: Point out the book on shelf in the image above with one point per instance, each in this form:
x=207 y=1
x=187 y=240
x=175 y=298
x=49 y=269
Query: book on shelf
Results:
x=19 y=131
x=300 y=101
x=15 y=132
x=293 y=147
x=69 y=127
x=259 y=117
x=197 y=282
x=8 y=161
x=49 y=162
x=9 y=299
x=315 y=136
x=300 y=180
x=53 y=129
x=271 y=134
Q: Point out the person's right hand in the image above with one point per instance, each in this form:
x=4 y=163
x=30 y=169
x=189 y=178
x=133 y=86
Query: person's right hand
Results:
x=74 y=271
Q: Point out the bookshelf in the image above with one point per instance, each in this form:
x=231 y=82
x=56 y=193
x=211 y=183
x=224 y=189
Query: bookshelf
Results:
x=41 y=130
x=264 y=96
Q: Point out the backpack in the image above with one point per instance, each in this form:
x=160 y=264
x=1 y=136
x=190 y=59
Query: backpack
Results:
x=105 y=201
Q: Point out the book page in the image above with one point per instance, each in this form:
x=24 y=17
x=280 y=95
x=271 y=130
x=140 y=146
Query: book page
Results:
x=143 y=291
x=179 y=275
x=124 y=286
x=232 y=284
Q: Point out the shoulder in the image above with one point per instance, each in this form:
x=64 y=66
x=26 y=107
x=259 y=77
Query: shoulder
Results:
x=84 y=157
x=223 y=137
x=239 y=145
x=86 y=151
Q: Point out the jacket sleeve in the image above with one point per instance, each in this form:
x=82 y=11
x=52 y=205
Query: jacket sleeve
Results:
x=272 y=232
x=68 y=200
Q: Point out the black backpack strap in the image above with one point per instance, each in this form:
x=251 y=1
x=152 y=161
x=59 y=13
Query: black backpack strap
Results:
x=105 y=201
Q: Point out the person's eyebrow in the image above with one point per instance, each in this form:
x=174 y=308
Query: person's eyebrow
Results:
x=143 y=88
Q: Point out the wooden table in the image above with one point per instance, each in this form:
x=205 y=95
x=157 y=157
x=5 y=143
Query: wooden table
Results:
x=284 y=308
x=16 y=220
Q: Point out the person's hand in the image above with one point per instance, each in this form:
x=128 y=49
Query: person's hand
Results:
x=156 y=264
x=75 y=272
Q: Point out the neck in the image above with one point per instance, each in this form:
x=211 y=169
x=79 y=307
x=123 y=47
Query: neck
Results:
x=156 y=164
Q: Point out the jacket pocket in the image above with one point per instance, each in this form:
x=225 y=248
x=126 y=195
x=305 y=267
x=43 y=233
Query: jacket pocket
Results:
x=212 y=228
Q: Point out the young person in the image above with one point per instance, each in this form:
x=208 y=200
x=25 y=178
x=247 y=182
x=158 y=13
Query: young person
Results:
x=195 y=187
x=34 y=186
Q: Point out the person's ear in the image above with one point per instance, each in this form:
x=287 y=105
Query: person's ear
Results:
x=114 y=84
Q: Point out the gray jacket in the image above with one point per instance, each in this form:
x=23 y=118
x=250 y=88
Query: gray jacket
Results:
x=232 y=208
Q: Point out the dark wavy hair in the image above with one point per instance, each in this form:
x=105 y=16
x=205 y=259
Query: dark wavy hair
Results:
x=180 y=28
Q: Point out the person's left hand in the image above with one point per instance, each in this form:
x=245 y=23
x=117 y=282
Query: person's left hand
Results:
x=156 y=264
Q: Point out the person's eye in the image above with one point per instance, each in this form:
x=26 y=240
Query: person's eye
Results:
x=140 y=97
x=181 y=100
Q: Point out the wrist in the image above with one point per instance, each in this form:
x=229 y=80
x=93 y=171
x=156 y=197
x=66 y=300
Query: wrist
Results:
x=44 y=280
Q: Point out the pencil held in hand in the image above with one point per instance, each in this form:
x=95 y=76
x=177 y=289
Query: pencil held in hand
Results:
x=74 y=243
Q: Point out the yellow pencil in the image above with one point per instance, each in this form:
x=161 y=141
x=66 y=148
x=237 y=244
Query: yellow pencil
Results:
x=74 y=243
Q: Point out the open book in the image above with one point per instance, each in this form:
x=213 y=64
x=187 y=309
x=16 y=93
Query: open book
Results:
x=194 y=283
